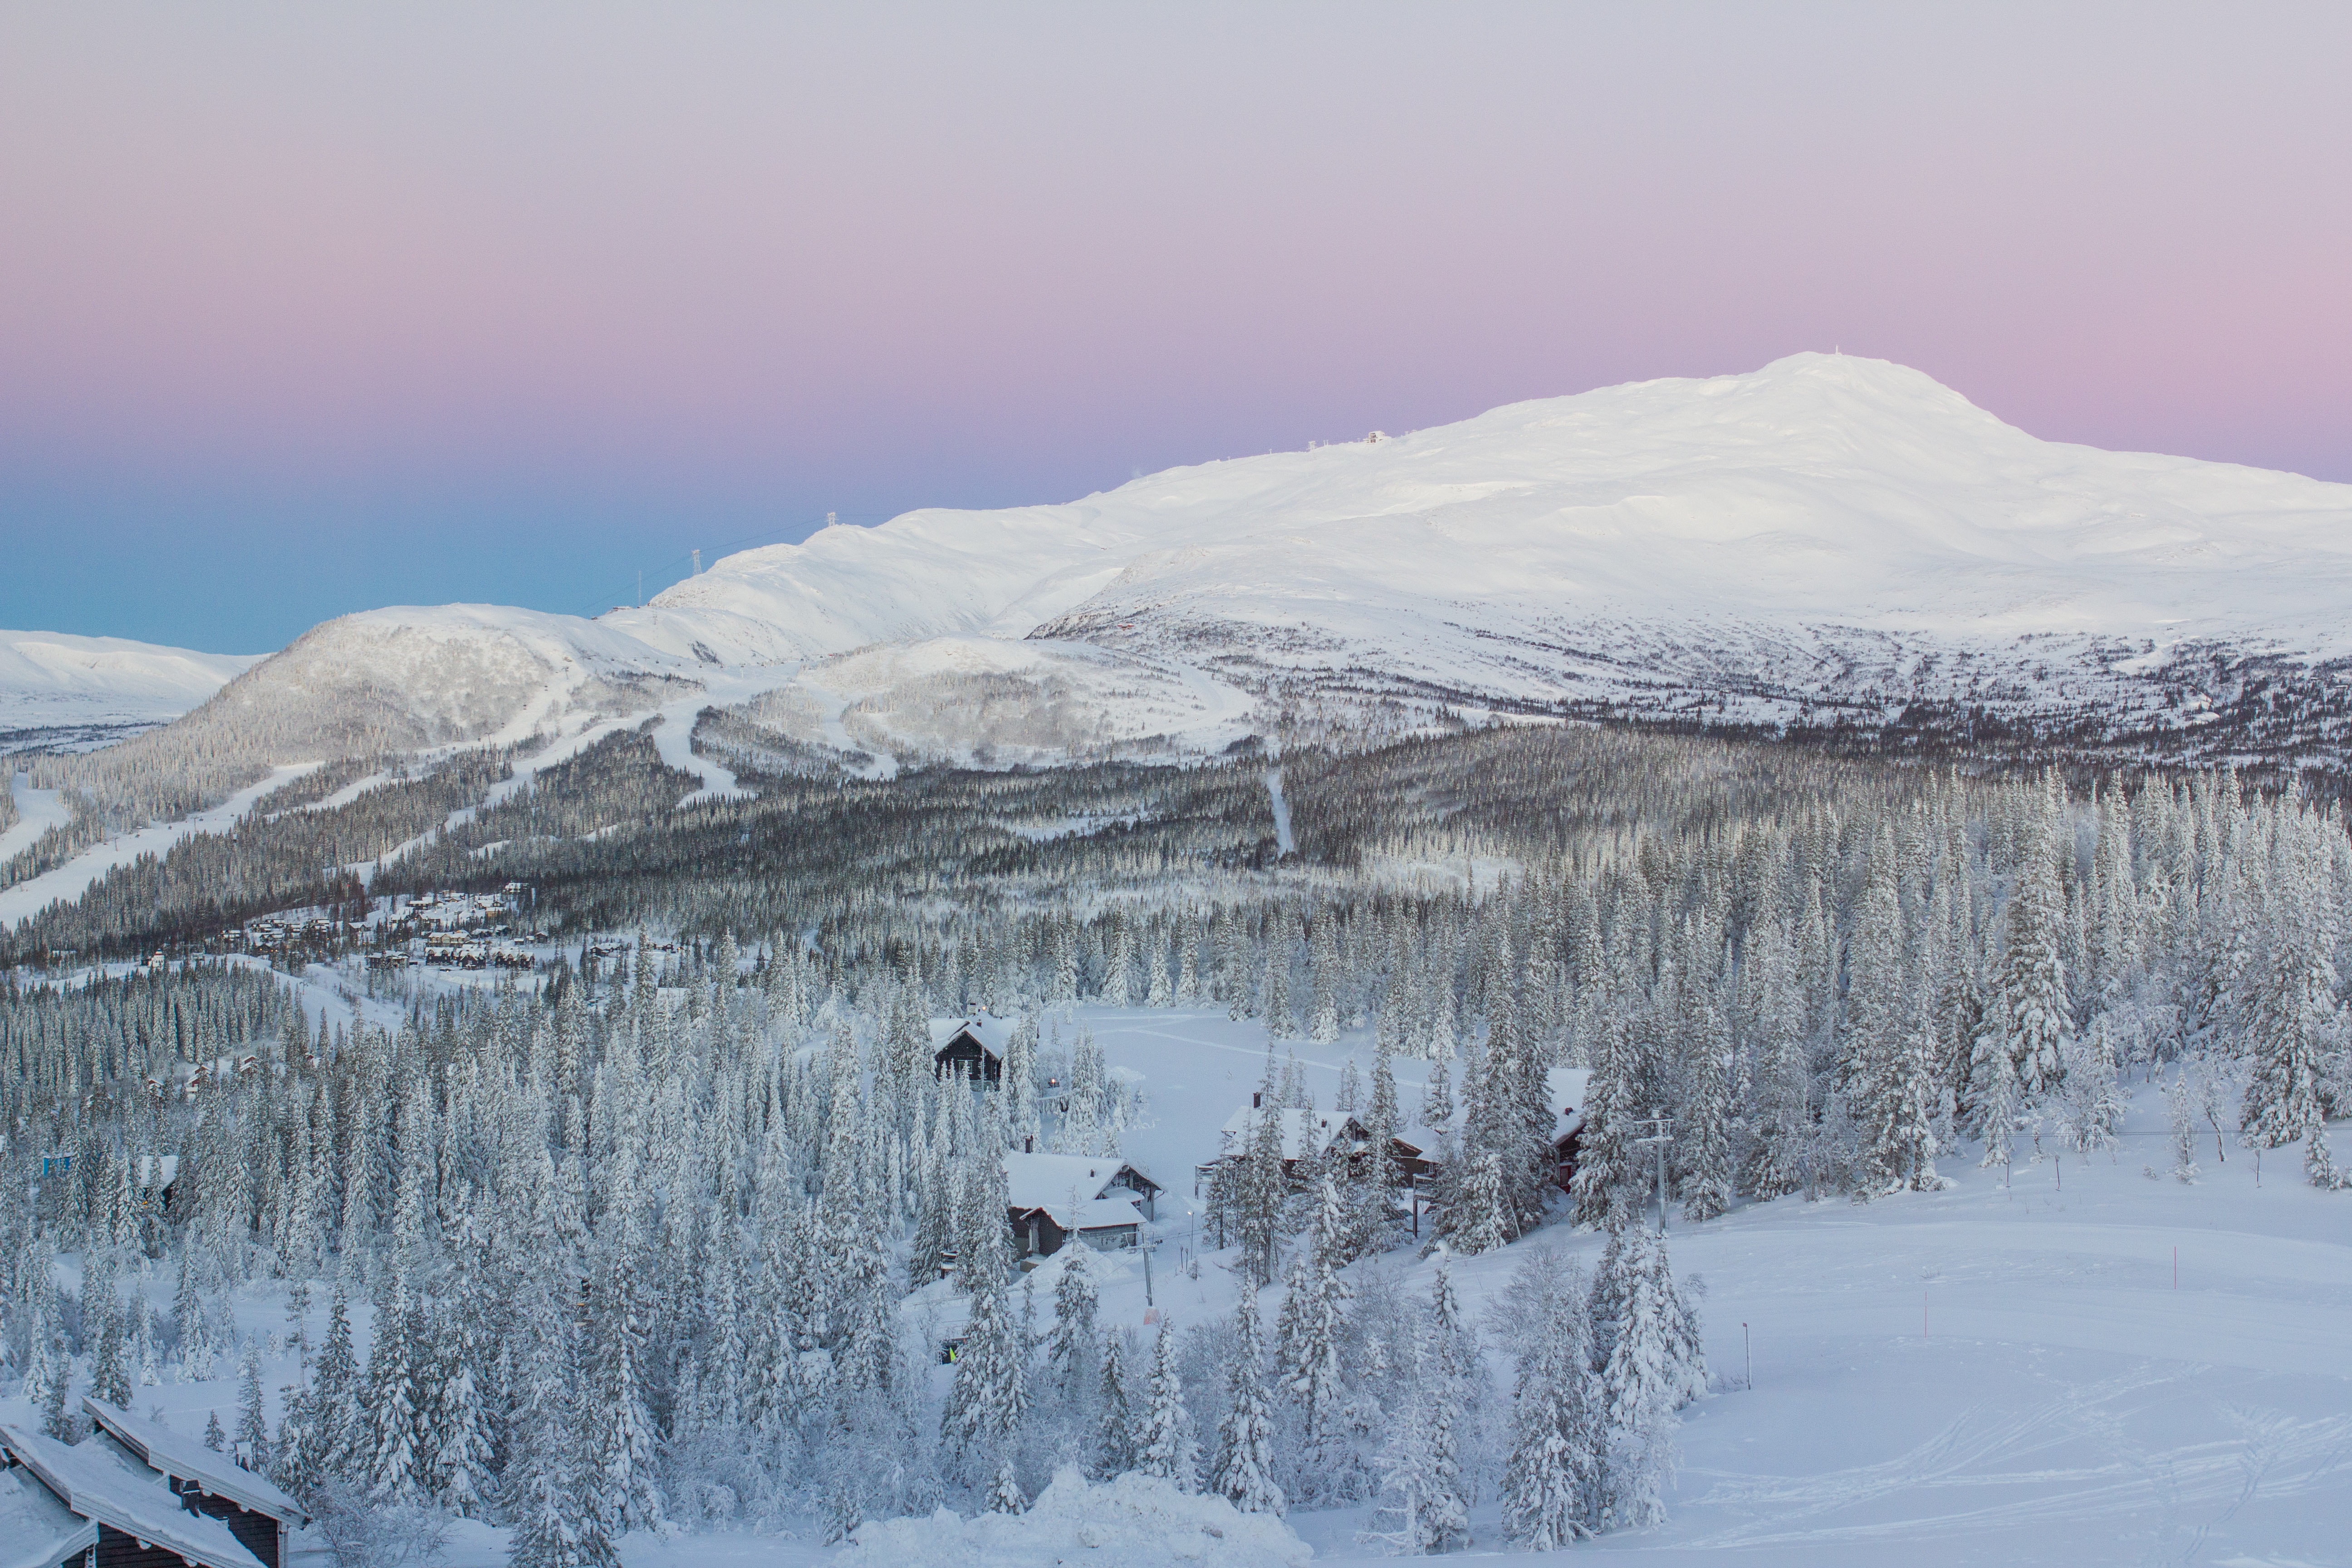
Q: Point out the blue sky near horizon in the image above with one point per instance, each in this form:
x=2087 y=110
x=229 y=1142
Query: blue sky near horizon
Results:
x=305 y=309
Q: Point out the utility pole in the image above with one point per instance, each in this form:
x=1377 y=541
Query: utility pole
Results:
x=1657 y=1131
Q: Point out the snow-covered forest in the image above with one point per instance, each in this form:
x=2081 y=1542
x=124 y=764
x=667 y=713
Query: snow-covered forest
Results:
x=665 y=1240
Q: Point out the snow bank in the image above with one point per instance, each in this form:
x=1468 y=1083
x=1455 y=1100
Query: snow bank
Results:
x=1135 y=1522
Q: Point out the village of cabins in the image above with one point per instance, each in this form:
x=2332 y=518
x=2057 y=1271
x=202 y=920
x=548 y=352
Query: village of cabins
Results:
x=134 y=1495
x=1106 y=1203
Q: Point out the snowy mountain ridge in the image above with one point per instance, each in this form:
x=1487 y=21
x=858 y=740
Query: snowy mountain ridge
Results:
x=55 y=686
x=1827 y=539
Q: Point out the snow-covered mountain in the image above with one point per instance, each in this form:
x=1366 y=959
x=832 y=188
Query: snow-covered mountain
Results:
x=55 y=686
x=1828 y=538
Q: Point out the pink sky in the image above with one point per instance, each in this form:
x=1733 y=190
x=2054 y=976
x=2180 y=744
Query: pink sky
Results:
x=564 y=290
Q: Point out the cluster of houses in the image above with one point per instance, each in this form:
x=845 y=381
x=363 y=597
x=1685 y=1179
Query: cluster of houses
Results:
x=450 y=911
x=615 y=948
x=454 y=930
x=136 y=1495
x=273 y=936
x=1051 y=1200
x=1307 y=1136
x=453 y=950
x=1103 y=1203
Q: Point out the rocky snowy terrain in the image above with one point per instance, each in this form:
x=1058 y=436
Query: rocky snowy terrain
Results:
x=1828 y=542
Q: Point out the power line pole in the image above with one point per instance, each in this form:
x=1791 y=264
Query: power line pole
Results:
x=1657 y=1131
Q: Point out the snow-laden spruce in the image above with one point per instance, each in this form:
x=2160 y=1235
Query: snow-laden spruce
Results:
x=633 y=1244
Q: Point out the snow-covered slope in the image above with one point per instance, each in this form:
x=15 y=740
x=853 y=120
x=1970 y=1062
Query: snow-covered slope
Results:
x=54 y=681
x=1824 y=538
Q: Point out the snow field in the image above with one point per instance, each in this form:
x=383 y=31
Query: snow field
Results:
x=1135 y=1522
x=1990 y=1373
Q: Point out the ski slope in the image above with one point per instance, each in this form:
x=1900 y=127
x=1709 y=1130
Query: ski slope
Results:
x=67 y=882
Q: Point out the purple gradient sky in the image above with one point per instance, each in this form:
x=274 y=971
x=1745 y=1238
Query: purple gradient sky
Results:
x=305 y=308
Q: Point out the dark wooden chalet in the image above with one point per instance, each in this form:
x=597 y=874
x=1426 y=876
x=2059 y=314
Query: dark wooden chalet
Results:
x=1305 y=1136
x=131 y=1519
x=1052 y=1199
x=971 y=1048
x=255 y=1511
x=1569 y=1087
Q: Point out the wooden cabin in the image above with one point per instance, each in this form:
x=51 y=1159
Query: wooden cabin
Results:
x=971 y=1048
x=1052 y=1199
x=207 y=1483
x=1304 y=1136
x=1107 y=1225
x=1570 y=1087
x=128 y=1518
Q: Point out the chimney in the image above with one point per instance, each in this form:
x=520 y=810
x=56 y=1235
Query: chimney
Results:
x=1257 y=1098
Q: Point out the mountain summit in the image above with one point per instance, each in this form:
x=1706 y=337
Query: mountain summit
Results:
x=1825 y=541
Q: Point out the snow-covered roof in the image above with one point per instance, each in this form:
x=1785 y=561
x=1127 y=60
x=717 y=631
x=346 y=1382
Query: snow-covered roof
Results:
x=993 y=1034
x=171 y=1454
x=1299 y=1140
x=1569 y=1087
x=99 y=1481
x=1042 y=1181
x=36 y=1529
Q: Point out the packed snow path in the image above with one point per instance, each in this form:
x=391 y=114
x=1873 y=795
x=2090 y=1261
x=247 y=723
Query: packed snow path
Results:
x=1282 y=839
x=72 y=879
x=37 y=811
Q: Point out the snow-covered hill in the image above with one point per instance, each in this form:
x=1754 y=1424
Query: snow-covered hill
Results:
x=1825 y=540
x=55 y=686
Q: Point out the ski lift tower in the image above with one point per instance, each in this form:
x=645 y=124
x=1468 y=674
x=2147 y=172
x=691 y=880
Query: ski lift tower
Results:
x=1656 y=1133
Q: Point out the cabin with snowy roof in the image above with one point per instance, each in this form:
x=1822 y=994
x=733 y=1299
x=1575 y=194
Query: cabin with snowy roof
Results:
x=1569 y=1088
x=205 y=1482
x=971 y=1048
x=1053 y=1199
x=1306 y=1134
x=128 y=1517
